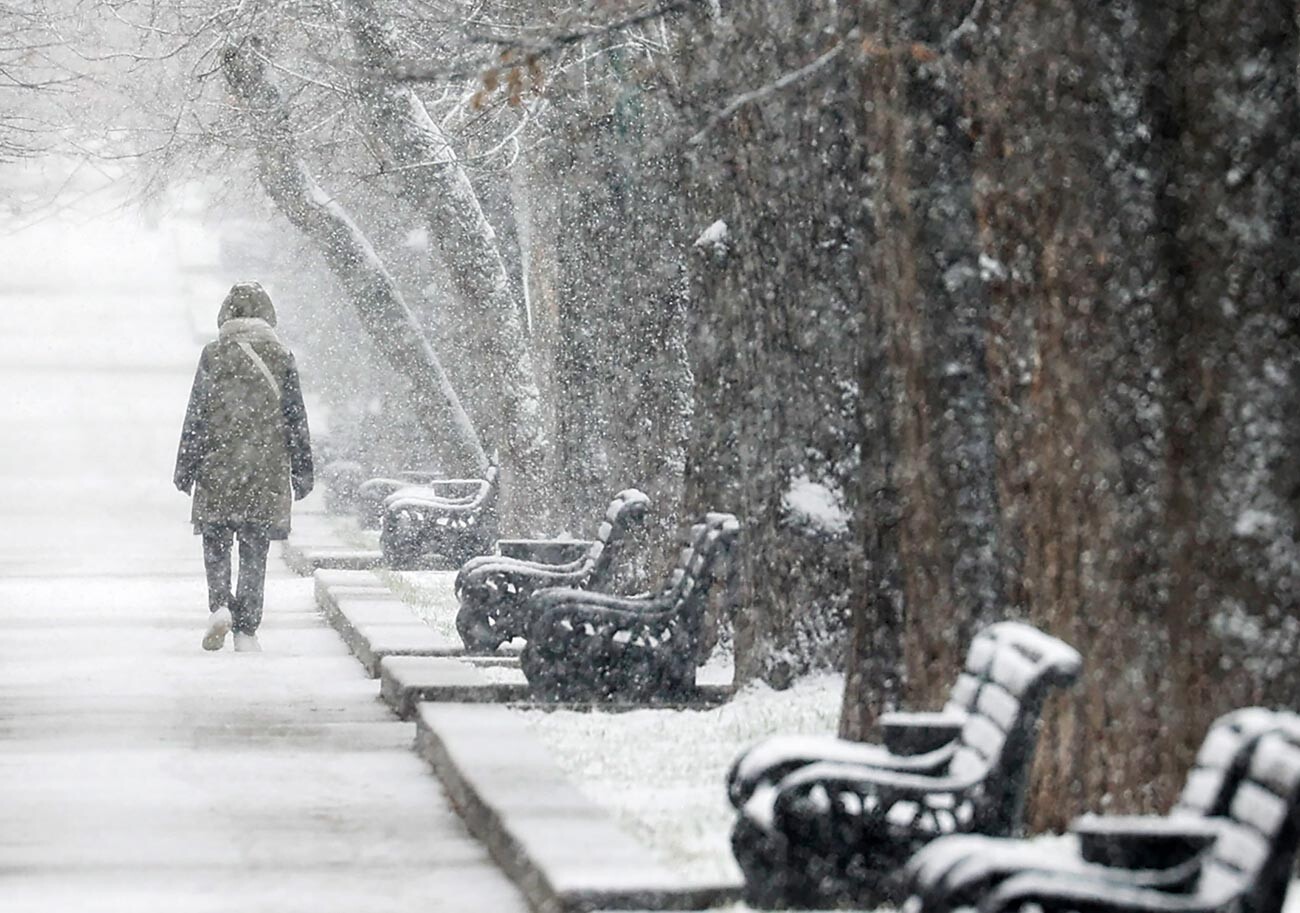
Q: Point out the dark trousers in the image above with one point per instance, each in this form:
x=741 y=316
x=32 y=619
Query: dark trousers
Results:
x=246 y=603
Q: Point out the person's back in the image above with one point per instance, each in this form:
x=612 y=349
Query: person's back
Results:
x=245 y=451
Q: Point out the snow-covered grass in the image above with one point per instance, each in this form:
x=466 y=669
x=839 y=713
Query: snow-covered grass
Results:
x=661 y=772
x=353 y=535
x=430 y=595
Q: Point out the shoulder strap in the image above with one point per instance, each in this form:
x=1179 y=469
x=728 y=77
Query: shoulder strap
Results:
x=261 y=366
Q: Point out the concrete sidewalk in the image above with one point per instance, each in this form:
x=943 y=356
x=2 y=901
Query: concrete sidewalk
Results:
x=138 y=772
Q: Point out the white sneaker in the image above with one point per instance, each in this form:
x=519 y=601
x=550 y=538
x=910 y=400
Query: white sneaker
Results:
x=246 y=643
x=218 y=628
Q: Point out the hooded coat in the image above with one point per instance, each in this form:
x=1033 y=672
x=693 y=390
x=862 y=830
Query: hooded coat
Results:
x=245 y=447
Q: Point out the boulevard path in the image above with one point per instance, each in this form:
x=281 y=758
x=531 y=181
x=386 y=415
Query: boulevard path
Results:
x=138 y=772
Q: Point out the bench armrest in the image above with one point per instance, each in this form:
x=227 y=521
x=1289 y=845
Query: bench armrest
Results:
x=917 y=733
x=418 y=476
x=1141 y=841
x=544 y=551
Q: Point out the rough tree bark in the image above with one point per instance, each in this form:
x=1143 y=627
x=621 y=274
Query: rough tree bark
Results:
x=932 y=308
x=1131 y=174
x=495 y=366
x=1067 y=176
x=348 y=253
x=1228 y=115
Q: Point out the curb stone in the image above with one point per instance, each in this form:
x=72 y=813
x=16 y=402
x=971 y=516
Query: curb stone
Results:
x=566 y=853
x=497 y=679
x=374 y=622
x=315 y=544
x=405 y=681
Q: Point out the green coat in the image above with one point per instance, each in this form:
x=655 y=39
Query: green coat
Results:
x=245 y=447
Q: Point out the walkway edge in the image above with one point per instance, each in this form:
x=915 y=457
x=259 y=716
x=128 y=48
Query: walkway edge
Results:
x=565 y=852
x=374 y=621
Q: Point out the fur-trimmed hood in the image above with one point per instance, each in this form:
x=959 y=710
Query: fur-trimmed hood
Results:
x=246 y=300
x=247 y=329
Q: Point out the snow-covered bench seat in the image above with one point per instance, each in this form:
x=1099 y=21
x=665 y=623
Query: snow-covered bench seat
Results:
x=493 y=589
x=826 y=822
x=586 y=646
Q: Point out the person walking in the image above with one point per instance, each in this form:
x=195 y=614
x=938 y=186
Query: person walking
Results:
x=245 y=449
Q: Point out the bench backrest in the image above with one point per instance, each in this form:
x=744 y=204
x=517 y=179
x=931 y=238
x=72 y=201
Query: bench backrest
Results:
x=482 y=497
x=705 y=545
x=684 y=597
x=628 y=505
x=1010 y=669
x=1254 y=854
x=1221 y=762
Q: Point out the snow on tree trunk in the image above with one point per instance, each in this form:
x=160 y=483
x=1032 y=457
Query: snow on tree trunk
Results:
x=1065 y=192
x=348 y=253
x=499 y=377
x=1141 y=355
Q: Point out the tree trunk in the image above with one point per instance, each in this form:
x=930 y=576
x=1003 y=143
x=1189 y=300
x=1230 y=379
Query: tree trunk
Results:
x=933 y=309
x=776 y=321
x=1231 y=331
x=497 y=370
x=348 y=253
x=1134 y=235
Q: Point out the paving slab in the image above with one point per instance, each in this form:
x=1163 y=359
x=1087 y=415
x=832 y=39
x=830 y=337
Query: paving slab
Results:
x=405 y=681
x=305 y=558
x=375 y=623
x=565 y=852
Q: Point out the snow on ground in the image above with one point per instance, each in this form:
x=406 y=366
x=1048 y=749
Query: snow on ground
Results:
x=662 y=772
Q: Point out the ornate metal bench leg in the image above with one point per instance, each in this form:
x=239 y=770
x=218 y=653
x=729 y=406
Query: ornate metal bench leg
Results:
x=771 y=882
x=479 y=624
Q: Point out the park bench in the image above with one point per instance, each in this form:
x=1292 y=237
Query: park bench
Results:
x=493 y=589
x=827 y=821
x=1144 y=851
x=586 y=646
x=448 y=520
x=372 y=494
x=1245 y=868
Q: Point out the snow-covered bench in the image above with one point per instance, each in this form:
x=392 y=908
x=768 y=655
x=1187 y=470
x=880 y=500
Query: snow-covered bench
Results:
x=586 y=646
x=450 y=520
x=1251 y=851
x=1144 y=851
x=372 y=494
x=494 y=589
x=828 y=822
